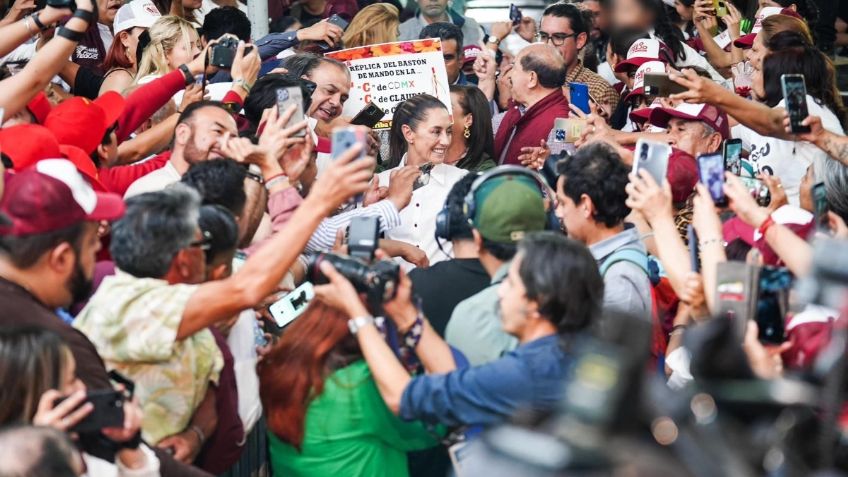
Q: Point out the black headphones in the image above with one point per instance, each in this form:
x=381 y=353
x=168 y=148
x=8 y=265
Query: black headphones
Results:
x=470 y=206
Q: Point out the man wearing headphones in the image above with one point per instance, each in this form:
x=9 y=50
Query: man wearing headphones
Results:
x=464 y=275
x=502 y=206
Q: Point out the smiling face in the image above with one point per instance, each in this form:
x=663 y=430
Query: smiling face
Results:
x=429 y=141
x=184 y=50
x=691 y=137
x=200 y=136
x=331 y=92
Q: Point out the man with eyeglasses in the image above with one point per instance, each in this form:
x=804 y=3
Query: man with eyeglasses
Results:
x=564 y=26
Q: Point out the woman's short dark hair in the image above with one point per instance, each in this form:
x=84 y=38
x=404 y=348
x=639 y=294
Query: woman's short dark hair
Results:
x=263 y=95
x=596 y=170
x=223 y=231
x=805 y=60
x=562 y=277
x=411 y=113
x=480 y=143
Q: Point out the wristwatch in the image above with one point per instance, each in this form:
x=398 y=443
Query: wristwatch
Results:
x=357 y=323
x=494 y=40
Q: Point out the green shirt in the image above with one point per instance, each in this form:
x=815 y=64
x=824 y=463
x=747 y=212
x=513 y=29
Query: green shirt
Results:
x=350 y=432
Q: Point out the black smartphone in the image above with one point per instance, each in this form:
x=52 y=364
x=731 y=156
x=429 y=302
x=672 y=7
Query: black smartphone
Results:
x=514 y=14
x=369 y=116
x=694 y=260
x=339 y=22
x=795 y=97
x=733 y=156
x=820 y=206
x=659 y=84
x=711 y=174
x=772 y=299
x=363 y=235
x=108 y=410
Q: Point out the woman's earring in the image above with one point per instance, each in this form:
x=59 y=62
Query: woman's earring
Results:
x=467 y=133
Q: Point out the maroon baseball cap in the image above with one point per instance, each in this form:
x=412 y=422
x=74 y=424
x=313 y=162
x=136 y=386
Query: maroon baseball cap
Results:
x=52 y=195
x=747 y=41
x=471 y=53
x=643 y=51
x=705 y=113
x=682 y=175
x=82 y=123
x=796 y=219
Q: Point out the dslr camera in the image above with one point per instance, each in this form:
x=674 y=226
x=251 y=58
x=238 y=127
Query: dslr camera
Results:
x=224 y=52
x=377 y=281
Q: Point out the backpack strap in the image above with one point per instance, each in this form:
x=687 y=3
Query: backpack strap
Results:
x=635 y=256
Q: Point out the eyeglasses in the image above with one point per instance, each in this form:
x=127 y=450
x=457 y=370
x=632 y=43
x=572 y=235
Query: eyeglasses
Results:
x=557 y=39
x=204 y=243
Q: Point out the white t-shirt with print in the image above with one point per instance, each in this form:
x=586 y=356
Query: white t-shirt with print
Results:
x=787 y=160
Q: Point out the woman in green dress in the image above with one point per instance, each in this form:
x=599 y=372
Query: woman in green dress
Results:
x=325 y=414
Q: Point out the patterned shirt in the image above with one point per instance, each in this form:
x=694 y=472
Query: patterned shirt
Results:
x=599 y=89
x=133 y=324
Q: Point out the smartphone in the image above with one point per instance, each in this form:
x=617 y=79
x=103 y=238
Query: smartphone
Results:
x=711 y=173
x=514 y=14
x=733 y=156
x=694 y=259
x=369 y=116
x=363 y=235
x=759 y=191
x=424 y=178
x=659 y=85
x=772 y=300
x=568 y=130
x=820 y=206
x=795 y=97
x=653 y=157
x=720 y=8
x=286 y=97
x=579 y=93
x=285 y=310
x=339 y=22
x=345 y=138
x=108 y=410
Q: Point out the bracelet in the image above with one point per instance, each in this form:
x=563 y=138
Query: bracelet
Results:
x=85 y=15
x=270 y=183
x=678 y=331
x=200 y=435
x=28 y=27
x=704 y=243
x=189 y=78
x=243 y=84
x=766 y=225
x=68 y=34
x=678 y=327
x=37 y=22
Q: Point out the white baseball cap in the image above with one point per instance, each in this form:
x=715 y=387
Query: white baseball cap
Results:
x=137 y=13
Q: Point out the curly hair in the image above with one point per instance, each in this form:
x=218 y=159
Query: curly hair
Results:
x=596 y=171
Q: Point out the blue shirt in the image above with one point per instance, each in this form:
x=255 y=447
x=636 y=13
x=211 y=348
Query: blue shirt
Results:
x=531 y=376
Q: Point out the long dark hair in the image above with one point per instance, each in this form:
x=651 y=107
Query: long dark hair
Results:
x=411 y=113
x=31 y=362
x=663 y=28
x=481 y=144
x=806 y=60
x=292 y=374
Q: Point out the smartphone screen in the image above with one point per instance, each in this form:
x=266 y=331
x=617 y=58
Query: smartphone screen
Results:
x=774 y=283
x=820 y=206
x=795 y=97
x=286 y=97
x=579 y=93
x=711 y=173
x=659 y=84
x=653 y=157
x=514 y=14
x=733 y=156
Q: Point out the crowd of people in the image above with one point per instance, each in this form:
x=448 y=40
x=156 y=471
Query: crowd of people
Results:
x=160 y=204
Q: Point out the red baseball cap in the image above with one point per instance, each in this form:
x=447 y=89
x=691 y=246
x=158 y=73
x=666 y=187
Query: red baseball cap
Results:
x=39 y=107
x=82 y=123
x=641 y=116
x=705 y=113
x=796 y=219
x=747 y=41
x=51 y=196
x=643 y=51
x=682 y=175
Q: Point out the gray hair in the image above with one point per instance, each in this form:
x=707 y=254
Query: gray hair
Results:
x=154 y=228
x=835 y=176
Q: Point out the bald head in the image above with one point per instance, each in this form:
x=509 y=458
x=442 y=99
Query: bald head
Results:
x=546 y=62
